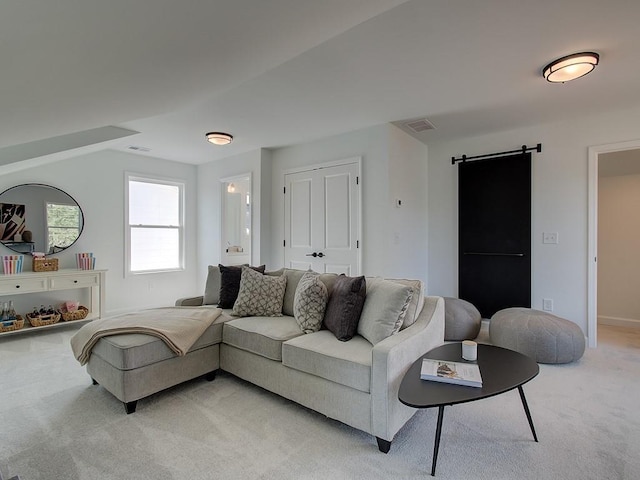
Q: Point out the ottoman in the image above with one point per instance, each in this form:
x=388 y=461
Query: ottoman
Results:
x=540 y=335
x=462 y=320
x=133 y=366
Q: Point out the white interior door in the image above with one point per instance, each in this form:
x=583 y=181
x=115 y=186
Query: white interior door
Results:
x=322 y=219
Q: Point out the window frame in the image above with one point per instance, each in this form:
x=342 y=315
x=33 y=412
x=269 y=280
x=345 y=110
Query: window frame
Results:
x=137 y=177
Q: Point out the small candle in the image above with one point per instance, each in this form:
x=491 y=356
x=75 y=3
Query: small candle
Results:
x=470 y=350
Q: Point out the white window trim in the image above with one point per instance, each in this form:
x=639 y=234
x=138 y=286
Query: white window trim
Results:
x=131 y=176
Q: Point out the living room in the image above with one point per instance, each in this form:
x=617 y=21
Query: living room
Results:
x=418 y=240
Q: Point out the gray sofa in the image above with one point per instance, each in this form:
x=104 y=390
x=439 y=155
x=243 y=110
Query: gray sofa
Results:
x=355 y=382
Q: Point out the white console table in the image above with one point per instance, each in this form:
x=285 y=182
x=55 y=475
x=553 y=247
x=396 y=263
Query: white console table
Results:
x=67 y=279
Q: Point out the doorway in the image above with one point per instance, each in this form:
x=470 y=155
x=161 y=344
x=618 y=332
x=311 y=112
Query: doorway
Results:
x=598 y=154
x=322 y=218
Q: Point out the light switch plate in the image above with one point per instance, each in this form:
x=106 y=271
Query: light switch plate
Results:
x=550 y=237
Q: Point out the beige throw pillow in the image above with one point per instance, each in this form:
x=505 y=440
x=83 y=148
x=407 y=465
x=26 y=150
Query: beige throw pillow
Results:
x=259 y=295
x=310 y=302
x=384 y=309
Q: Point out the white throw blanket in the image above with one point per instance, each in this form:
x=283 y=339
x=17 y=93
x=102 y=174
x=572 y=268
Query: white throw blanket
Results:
x=178 y=327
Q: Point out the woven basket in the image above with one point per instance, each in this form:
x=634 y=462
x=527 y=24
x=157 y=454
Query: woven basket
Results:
x=79 y=314
x=18 y=323
x=43 y=320
x=45 y=264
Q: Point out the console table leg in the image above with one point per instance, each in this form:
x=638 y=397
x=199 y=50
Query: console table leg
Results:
x=526 y=410
x=436 y=445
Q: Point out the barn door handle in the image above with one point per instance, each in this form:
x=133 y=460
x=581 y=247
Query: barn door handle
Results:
x=314 y=254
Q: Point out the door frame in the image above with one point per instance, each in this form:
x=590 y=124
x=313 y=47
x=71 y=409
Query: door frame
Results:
x=319 y=166
x=592 y=228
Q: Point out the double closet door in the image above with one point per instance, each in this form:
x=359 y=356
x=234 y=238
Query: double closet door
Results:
x=322 y=219
x=494 y=227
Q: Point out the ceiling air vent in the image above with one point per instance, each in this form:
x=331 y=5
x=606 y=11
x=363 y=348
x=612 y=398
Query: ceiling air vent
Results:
x=421 y=125
x=138 y=148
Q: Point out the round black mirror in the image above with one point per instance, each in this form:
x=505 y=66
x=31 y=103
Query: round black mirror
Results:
x=39 y=218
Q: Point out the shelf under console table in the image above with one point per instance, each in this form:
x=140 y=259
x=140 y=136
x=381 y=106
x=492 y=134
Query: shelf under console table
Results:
x=65 y=279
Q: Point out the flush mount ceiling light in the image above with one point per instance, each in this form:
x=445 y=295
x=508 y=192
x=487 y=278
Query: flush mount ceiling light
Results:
x=219 y=138
x=570 y=67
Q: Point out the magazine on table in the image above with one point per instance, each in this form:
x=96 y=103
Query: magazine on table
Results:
x=458 y=373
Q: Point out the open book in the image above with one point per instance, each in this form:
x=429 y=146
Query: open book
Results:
x=458 y=373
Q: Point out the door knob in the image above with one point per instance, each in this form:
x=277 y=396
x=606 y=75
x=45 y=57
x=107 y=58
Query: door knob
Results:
x=321 y=254
x=314 y=254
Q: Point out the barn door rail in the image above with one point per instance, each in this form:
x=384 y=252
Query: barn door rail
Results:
x=495 y=254
x=523 y=149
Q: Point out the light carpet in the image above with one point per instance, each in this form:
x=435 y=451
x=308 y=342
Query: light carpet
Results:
x=55 y=425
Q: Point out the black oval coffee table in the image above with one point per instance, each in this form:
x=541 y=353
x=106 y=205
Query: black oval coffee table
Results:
x=502 y=370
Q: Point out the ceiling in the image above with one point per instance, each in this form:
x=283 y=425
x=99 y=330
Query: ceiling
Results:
x=280 y=72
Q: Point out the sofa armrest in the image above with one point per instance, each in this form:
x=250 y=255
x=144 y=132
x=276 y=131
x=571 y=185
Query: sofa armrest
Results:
x=190 y=301
x=391 y=359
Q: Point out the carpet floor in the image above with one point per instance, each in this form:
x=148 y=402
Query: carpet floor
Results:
x=55 y=425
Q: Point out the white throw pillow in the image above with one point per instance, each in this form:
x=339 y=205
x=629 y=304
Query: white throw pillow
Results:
x=384 y=309
x=310 y=302
x=260 y=295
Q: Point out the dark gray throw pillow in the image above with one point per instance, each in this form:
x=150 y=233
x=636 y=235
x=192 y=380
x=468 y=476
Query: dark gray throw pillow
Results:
x=345 y=306
x=230 y=284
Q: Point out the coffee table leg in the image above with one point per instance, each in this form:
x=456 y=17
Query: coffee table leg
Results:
x=436 y=445
x=526 y=410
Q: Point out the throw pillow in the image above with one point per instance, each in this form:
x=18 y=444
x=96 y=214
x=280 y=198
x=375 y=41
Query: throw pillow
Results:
x=259 y=295
x=212 y=287
x=344 y=306
x=230 y=284
x=384 y=309
x=417 y=300
x=310 y=302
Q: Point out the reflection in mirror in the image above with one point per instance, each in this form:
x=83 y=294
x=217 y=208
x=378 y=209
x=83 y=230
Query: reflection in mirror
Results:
x=236 y=220
x=39 y=218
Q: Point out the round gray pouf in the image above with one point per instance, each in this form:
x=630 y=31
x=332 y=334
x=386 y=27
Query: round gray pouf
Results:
x=539 y=335
x=461 y=320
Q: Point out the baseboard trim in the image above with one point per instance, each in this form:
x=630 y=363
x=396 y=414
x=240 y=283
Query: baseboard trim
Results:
x=618 y=321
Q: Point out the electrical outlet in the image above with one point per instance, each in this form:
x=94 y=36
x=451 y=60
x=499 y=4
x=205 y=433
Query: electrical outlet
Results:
x=550 y=237
x=547 y=304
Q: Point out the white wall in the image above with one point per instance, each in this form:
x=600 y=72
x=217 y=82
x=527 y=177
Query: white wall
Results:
x=618 y=252
x=393 y=166
x=559 y=204
x=96 y=182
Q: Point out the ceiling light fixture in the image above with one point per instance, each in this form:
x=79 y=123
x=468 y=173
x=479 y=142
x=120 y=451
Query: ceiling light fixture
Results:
x=570 y=67
x=219 y=138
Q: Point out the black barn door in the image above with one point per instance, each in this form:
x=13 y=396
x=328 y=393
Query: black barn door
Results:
x=494 y=225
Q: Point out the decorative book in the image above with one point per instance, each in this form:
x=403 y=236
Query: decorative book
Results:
x=444 y=371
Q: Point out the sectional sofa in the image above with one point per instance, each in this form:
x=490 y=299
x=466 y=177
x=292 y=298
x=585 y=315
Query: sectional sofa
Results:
x=354 y=381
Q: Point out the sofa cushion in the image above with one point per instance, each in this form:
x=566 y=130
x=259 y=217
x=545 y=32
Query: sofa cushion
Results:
x=261 y=335
x=293 y=278
x=323 y=355
x=212 y=287
x=344 y=307
x=259 y=295
x=310 y=302
x=134 y=350
x=230 y=284
x=384 y=309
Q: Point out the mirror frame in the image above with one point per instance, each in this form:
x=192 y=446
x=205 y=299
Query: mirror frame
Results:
x=35 y=184
x=235 y=258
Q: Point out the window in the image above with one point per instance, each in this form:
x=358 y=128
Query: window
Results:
x=155 y=223
x=63 y=226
